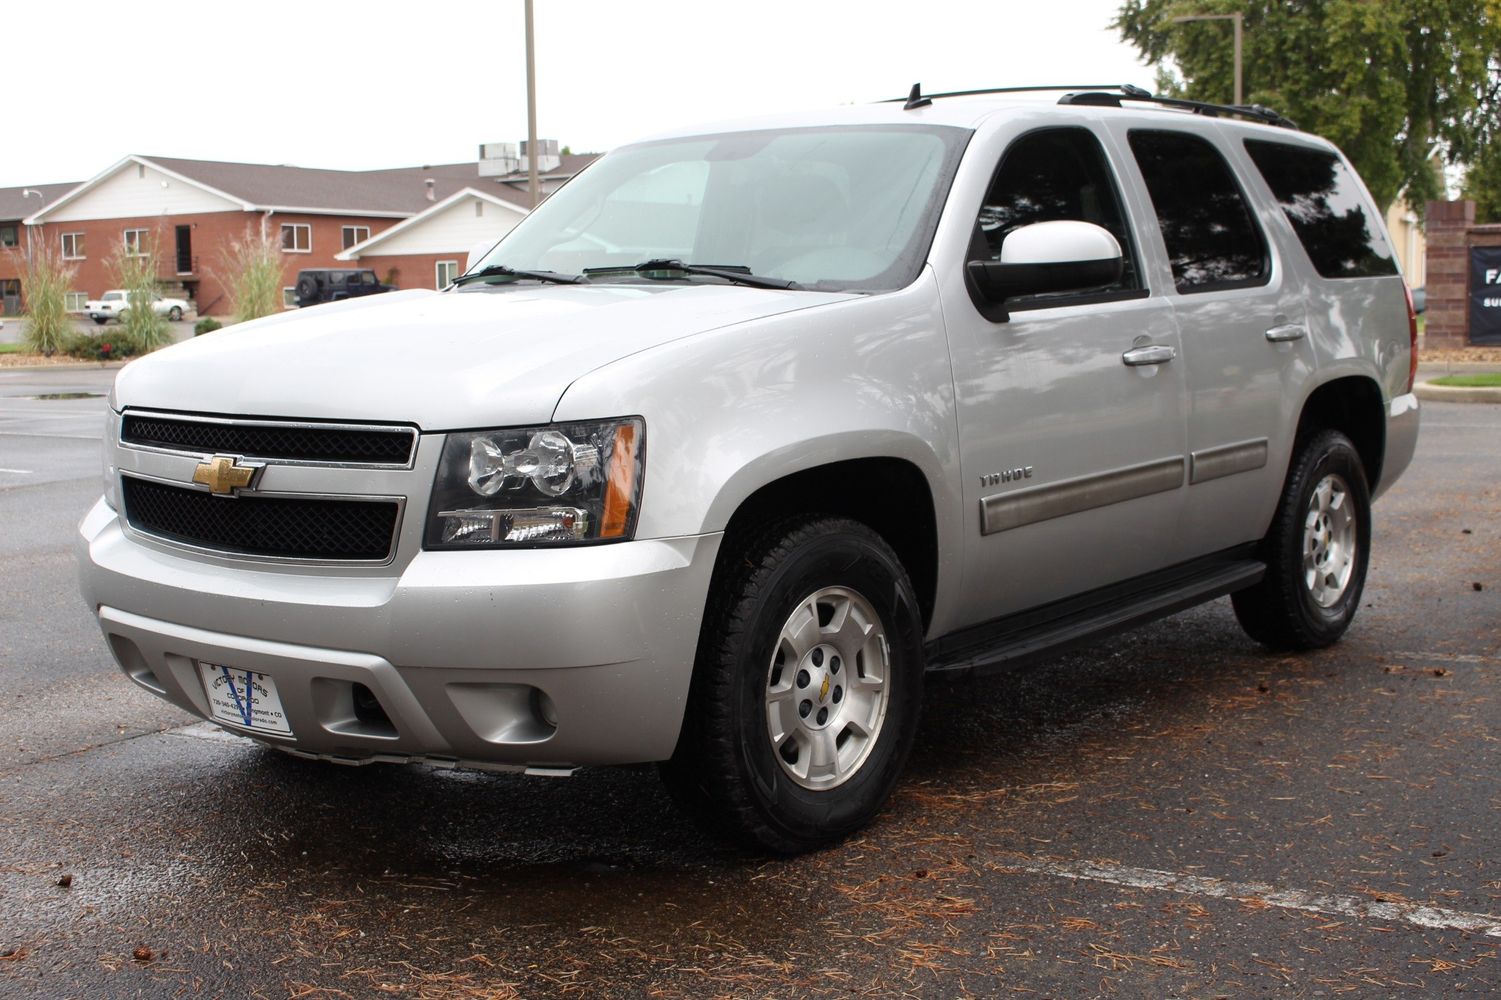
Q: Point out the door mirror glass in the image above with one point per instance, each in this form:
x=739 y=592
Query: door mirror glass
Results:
x=1049 y=257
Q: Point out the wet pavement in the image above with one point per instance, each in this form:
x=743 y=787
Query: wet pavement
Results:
x=1172 y=813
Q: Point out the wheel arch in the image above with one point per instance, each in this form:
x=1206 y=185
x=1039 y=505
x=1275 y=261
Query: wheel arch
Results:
x=1354 y=406
x=889 y=494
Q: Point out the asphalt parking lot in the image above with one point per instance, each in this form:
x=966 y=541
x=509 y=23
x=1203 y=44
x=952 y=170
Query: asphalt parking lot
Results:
x=1173 y=813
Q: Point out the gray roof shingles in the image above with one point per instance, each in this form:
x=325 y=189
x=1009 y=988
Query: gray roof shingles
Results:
x=399 y=190
x=14 y=207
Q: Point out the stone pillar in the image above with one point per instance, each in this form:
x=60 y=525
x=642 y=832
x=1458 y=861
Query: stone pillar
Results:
x=1447 y=226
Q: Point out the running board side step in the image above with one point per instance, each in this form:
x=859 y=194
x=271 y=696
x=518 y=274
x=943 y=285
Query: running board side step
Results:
x=1076 y=621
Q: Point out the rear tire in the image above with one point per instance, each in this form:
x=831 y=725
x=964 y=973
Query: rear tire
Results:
x=1316 y=551
x=174 y=314
x=807 y=688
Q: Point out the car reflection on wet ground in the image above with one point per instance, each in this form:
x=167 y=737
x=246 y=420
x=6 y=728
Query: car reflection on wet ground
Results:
x=1171 y=813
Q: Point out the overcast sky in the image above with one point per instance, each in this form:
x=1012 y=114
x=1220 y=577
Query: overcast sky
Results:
x=373 y=83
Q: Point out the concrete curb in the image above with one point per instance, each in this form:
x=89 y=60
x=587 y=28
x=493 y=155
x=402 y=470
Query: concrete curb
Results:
x=1431 y=393
x=70 y=367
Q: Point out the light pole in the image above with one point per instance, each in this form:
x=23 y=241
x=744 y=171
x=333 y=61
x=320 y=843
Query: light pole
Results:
x=531 y=107
x=1212 y=17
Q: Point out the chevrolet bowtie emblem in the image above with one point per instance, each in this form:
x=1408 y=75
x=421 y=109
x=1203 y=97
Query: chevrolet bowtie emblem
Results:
x=223 y=475
x=823 y=691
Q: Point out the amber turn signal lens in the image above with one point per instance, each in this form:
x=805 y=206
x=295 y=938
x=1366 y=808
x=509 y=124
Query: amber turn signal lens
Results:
x=620 y=484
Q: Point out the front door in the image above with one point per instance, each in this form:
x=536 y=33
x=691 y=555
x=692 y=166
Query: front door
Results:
x=10 y=296
x=185 y=250
x=1073 y=456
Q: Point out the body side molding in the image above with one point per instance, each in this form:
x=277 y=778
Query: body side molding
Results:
x=1004 y=511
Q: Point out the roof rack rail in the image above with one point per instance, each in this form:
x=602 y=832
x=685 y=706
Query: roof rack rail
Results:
x=917 y=99
x=1098 y=97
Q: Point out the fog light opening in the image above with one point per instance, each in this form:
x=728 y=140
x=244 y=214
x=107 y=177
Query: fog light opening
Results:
x=367 y=710
x=544 y=709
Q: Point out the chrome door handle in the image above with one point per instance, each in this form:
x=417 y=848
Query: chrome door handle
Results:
x=1149 y=354
x=1285 y=332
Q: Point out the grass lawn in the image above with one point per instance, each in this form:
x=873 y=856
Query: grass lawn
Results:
x=1482 y=380
x=10 y=348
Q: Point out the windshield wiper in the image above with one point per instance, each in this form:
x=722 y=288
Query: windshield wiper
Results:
x=501 y=271
x=737 y=273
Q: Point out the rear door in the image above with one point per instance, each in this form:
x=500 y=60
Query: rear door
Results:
x=1242 y=315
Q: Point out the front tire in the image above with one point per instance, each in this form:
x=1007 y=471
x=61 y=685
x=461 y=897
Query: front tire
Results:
x=174 y=314
x=1316 y=551
x=807 y=688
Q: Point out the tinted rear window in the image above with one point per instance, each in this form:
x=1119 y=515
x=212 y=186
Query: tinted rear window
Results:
x=1319 y=195
x=1212 y=241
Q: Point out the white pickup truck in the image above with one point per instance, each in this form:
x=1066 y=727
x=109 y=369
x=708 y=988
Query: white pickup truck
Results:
x=116 y=302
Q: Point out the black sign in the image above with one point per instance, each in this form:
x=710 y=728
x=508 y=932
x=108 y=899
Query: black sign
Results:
x=1485 y=295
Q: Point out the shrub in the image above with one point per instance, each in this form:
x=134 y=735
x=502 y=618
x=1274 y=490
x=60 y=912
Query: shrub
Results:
x=206 y=325
x=45 y=281
x=136 y=274
x=252 y=265
x=99 y=347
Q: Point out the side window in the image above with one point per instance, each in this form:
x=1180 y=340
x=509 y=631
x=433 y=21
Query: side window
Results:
x=1051 y=175
x=1212 y=240
x=1320 y=198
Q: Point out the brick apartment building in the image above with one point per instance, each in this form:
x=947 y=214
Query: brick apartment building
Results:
x=191 y=210
x=16 y=203
x=431 y=248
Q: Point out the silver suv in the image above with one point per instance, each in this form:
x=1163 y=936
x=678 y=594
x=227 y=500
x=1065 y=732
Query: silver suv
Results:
x=750 y=426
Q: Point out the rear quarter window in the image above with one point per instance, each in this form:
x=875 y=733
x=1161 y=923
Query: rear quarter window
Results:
x=1320 y=197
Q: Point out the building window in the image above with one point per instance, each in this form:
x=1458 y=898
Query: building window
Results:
x=355 y=234
x=447 y=271
x=296 y=237
x=289 y=298
x=135 y=243
x=72 y=246
x=76 y=302
x=9 y=236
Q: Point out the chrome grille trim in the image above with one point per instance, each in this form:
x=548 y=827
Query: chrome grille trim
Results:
x=314 y=426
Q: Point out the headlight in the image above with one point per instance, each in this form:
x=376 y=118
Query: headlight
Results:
x=564 y=483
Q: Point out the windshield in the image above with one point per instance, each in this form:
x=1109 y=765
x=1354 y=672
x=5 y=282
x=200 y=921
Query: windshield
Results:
x=846 y=208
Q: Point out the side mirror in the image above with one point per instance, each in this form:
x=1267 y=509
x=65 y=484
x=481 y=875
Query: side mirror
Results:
x=477 y=254
x=1061 y=256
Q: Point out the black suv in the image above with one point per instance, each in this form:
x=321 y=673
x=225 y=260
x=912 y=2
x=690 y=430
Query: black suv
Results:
x=332 y=284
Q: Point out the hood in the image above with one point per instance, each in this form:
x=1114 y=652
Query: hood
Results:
x=441 y=360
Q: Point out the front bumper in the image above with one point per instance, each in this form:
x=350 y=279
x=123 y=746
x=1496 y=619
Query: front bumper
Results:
x=456 y=648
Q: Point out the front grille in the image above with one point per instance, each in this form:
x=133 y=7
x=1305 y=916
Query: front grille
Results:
x=282 y=527
x=287 y=442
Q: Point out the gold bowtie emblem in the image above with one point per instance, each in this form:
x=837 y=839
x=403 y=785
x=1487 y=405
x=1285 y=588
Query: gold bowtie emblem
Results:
x=823 y=691
x=222 y=476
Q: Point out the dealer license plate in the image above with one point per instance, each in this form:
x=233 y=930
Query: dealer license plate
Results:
x=244 y=698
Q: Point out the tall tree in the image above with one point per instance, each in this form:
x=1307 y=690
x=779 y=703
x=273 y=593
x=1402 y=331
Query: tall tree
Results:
x=1483 y=184
x=1391 y=82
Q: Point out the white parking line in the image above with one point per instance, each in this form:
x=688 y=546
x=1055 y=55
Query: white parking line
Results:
x=19 y=472
x=1417 y=914
x=1446 y=657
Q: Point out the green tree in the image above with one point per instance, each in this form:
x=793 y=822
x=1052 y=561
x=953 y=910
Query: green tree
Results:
x=1390 y=82
x=1483 y=184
